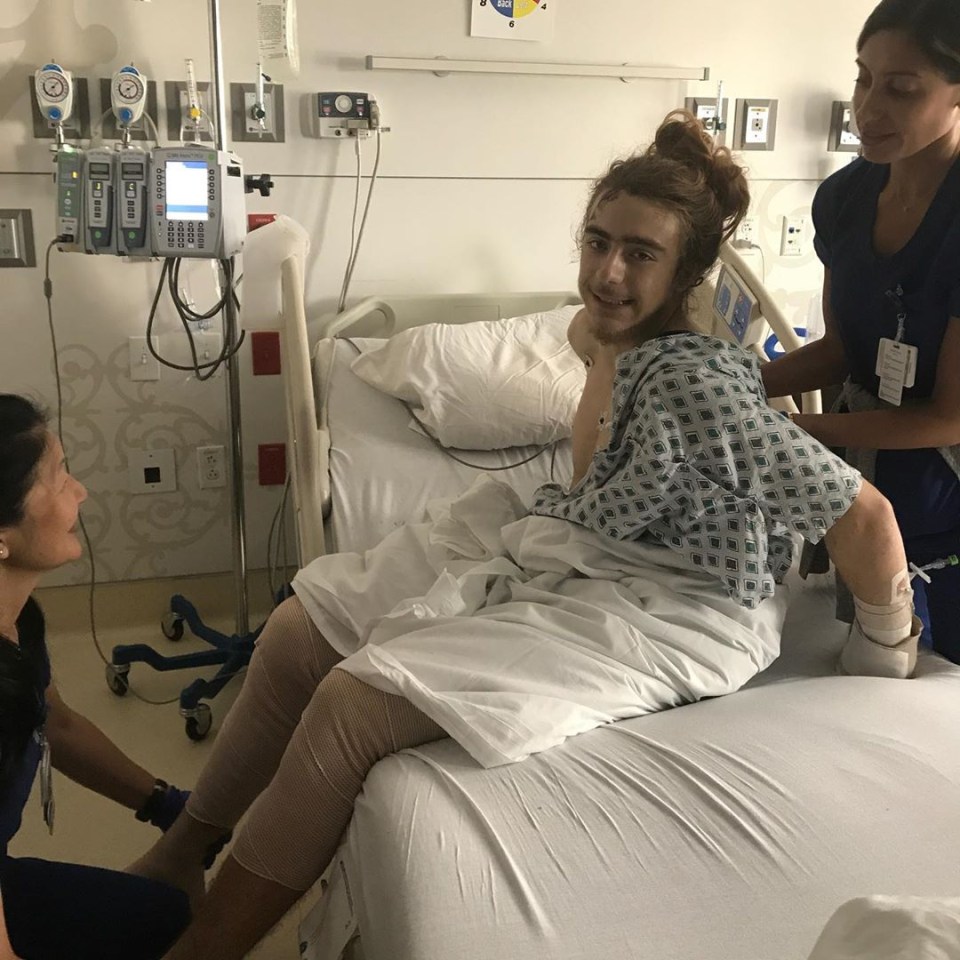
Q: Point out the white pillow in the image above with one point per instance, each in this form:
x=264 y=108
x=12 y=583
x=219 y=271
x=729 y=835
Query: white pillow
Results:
x=484 y=385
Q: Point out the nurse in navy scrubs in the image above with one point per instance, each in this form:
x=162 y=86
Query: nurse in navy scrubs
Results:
x=50 y=910
x=888 y=233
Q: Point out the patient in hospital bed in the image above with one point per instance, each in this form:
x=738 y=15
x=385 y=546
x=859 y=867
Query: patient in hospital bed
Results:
x=652 y=582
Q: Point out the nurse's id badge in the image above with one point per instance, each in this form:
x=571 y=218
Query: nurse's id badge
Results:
x=896 y=368
x=46 y=780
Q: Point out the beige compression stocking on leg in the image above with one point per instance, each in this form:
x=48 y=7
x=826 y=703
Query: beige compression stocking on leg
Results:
x=884 y=637
x=295 y=825
x=290 y=661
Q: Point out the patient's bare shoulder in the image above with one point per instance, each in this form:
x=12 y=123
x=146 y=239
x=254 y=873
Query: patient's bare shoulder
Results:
x=581 y=339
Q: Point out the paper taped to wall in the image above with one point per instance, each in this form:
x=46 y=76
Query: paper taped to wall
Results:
x=277 y=32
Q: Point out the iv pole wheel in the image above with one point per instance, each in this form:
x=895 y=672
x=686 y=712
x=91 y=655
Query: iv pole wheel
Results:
x=171 y=626
x=198 y=726
x=117 y=679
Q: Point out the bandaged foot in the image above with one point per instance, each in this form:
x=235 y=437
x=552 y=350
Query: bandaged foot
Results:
x=870 y=658
x=884 y=637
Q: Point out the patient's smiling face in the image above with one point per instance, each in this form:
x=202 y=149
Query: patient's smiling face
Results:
x=628 y=261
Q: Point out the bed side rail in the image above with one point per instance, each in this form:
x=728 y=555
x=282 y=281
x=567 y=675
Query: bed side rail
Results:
x=309 y=442
x=811 y=401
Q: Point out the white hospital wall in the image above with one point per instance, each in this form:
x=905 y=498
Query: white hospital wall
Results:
x=482 y=181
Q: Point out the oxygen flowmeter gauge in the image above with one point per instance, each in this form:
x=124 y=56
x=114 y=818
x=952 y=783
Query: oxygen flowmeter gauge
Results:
x=128 y=95
x=54 y=87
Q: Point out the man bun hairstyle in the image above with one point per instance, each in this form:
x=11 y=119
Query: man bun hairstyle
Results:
x=687 y=173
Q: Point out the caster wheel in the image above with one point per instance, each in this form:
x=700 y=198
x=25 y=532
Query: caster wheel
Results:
x=198 y=726
x=171 y=626
x=117 y=679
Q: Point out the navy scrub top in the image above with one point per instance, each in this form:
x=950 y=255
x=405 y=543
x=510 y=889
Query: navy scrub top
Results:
x=927 y=269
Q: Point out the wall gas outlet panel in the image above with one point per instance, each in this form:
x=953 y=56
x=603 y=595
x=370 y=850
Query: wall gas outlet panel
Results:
x=77 y=126
x=338 y=114
x=178 y=105
x=705 y=110
x=244 y=124
x=756 y=126
x=843 y=135
x=139 y=129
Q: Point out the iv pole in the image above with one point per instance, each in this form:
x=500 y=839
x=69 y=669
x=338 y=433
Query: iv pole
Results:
x=238 y=519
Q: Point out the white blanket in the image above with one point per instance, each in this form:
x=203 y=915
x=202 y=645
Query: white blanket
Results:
x=892 y=928
x=514 y=632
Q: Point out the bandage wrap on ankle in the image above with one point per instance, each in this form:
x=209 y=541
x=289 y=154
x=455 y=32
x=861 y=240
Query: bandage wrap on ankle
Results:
x=884 y=638
x=887 y=623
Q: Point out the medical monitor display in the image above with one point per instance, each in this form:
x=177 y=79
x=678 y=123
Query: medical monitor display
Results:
x=99 y=169
x=186 y=183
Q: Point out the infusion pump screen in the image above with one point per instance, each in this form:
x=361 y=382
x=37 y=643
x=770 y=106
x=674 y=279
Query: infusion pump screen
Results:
x=186 y=184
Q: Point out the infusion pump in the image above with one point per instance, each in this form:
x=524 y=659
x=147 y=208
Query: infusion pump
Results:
x=169 y=202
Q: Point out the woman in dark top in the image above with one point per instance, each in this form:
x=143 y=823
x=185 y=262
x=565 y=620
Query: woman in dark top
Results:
x=52 y=911
x=888 y=233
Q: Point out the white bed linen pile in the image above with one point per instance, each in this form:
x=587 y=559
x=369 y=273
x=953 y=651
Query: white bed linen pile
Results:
x=514 y=632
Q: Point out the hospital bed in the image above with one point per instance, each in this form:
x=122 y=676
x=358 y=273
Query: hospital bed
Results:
x=729 y=829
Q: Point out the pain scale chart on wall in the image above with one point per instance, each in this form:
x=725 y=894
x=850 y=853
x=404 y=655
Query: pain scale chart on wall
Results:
x=513 y=19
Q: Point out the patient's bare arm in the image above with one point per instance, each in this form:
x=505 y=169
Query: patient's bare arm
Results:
x=866 y=546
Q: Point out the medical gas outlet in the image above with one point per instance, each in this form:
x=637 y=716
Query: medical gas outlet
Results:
x=338 y=114
x=756 y=126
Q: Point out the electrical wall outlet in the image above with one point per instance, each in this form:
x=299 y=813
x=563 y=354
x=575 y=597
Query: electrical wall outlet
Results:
x=746 y=234
x=792 y=234
x=211 y=467
x=756 y=127
x=151 y=471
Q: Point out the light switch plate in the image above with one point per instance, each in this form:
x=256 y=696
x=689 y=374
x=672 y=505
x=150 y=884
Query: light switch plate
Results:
x=143 y=364
x=16 y=239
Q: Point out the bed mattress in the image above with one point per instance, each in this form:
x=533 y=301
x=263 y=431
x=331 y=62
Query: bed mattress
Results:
x=729 y=829
x=384 y=472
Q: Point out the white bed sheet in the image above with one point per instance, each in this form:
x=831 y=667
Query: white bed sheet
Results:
x=383 y=473
x=730 y=829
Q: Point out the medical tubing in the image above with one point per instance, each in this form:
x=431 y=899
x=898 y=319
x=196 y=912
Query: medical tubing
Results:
x=344 y=287
x=363 y=222
x=171 y=272
x=48 y=294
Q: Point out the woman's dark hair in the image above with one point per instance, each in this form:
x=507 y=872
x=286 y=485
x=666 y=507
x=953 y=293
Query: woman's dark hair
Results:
x=23 y=441
x=933 y=25
x=685 y=172
x=23 y=666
